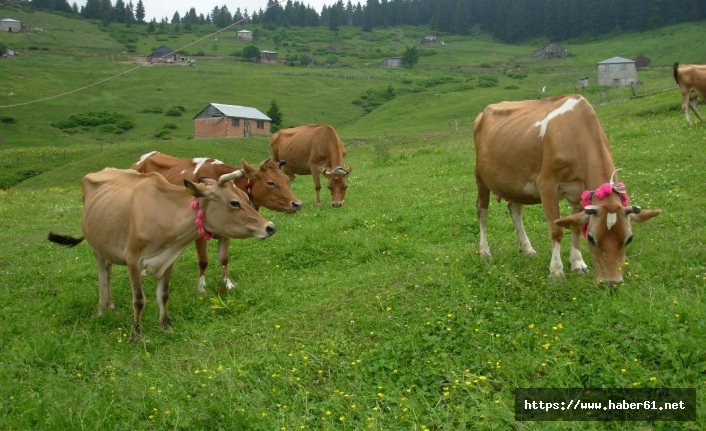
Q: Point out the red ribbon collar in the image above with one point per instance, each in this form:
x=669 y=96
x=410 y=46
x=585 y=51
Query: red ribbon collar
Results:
x=199 y=220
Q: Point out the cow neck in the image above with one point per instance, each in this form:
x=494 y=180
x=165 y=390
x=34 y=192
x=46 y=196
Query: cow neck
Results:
x=200 y=220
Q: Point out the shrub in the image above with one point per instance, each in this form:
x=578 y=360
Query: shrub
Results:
x=155 y=110
x=487 y=81
x=4 y=119
x=119 y=123
x=175 y=111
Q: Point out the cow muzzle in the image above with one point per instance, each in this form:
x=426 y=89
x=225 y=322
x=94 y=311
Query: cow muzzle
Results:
x=337 y=204
x=269 y=230
x=296 y=206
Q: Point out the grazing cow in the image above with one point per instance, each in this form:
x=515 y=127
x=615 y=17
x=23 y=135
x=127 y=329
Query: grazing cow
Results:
x=691 y=79
x=266 y=186
x=145 y=222
x=314 y=149
x=539 y=151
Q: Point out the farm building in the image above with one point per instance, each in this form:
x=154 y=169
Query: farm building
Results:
x=553 y=50
x=10 y=25
x=268 y=57
x=582 y=82
x=243 y=35
x=219 y=120
x=430 y=38
x=163 y=54
x=393 y=62
x=617 y=72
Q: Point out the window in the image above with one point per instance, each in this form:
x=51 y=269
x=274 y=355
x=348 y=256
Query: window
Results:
x=235 y=122
x=260 y=124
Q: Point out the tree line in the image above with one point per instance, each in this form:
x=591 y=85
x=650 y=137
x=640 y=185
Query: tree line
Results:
x=506 y=20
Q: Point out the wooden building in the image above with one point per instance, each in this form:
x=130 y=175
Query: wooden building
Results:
x=163 y=54
x=218 y=121
x=553 y=50
x=245 y=35
x=268 y=57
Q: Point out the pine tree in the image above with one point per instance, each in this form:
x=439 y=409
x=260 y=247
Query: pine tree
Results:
x=276 y=115
x=140 y=12
x=410 y=57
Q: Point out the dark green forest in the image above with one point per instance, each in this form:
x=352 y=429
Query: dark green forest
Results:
x=506 y=20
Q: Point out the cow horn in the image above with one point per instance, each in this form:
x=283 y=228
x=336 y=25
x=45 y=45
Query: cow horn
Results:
x=341 y=170
x=265 y=161
x=612 y=177
x=231 y=176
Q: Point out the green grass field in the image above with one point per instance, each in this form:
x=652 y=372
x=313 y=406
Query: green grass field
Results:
x=379 y=315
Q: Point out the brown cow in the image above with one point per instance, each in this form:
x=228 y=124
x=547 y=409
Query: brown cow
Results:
x=266 y=186
x=691 y=79
x=539 y=151
x=144 y=222
x=314 y=149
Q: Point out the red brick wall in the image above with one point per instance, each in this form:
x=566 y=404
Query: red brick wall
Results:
x=223 y=127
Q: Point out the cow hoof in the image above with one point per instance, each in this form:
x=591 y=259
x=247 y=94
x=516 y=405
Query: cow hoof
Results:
x=228 y=284
x=583 y=270
x=553 y=278
x=136 y=334
x=167 y=324
x=528 y=253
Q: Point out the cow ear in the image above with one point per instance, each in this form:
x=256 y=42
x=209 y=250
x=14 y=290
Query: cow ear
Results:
x=572 y=221
x=194 y=189
x=350 y=169
x=249 y=170
x=644 y=215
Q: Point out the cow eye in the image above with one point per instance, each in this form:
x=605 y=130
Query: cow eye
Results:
x=629 y=240
x=346 y=187
x=235 y=204
x=271 y=183
x=591 y=239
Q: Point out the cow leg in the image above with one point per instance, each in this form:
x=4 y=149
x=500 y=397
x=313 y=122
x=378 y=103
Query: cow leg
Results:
x=576 y=258
x=138 y=299
x=104 y=275
x=516 y=216
x=693 y=105
x=550 y=204
x=223 y=244
x=685 y=105
x=202 y=252
x=163 y=297
x=317 y=184
x=482 y=204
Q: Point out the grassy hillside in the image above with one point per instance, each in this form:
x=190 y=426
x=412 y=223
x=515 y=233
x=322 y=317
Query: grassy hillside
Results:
x=380 y=315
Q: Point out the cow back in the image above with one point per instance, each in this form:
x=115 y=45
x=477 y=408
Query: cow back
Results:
x=555 y=140
x=109 y=200
x=304 y=147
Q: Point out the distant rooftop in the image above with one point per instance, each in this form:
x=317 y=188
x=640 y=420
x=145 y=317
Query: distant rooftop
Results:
x=240 y=112
x=616 y=60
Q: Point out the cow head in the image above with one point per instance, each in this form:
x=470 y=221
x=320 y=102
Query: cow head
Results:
x=337 y=183
x=227 y=211
x=606 y=221
x=270 y=187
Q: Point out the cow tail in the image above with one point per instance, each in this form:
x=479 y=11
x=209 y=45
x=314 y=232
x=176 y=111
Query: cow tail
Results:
x=675 y=72
x=66 y=240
